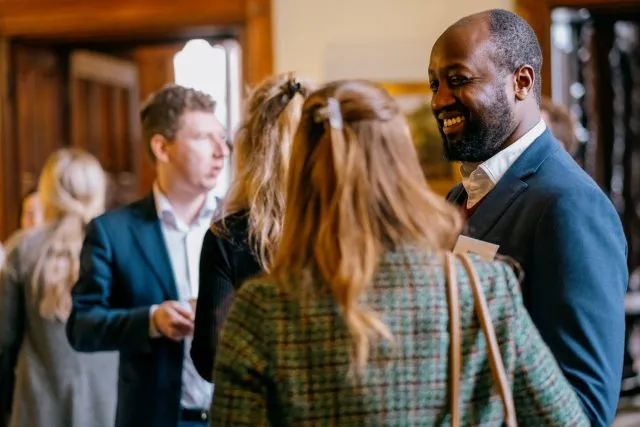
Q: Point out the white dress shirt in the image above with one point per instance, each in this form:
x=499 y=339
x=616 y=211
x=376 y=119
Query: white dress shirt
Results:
x=479 y=180
x=184 y=243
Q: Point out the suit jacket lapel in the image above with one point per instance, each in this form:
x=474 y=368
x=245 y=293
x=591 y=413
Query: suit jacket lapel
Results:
x=493 y=206
x=148 y=235
x=510 y=186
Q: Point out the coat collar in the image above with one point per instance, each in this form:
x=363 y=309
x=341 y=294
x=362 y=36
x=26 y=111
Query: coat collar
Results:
x=148 y=236
x=512 y=184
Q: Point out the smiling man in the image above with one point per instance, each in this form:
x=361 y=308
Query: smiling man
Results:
x=139 y=272
x=523 y=192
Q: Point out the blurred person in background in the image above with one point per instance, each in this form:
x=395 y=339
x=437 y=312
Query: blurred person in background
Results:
x=31 y=212
x=55 y=386
x=562 y=125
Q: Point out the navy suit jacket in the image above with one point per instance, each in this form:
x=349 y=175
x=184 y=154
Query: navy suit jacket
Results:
x=551 y=217
x=125 y=268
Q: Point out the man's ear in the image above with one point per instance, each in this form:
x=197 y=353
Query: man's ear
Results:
x=524 y=80
x=159 y=147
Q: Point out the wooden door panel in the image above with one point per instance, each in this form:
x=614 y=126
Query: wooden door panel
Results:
x=33 y=122
x=39 y=85
x=104 y=118
x=8 y=189
x=33 y=125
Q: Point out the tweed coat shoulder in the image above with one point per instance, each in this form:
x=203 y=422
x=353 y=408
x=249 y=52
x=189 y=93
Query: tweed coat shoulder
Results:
x=284 y=363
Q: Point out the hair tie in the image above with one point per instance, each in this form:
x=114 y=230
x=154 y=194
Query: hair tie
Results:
x=331 y=112
x=293 y=87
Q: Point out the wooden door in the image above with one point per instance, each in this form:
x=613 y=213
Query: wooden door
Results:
x=33 y=123
x=39 y=104
x=104 y=103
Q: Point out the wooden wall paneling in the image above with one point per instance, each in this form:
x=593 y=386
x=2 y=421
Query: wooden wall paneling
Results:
x=130 y=182
x=39 y=93
x=103 y=135
x=155 y=70
x=257 y=42
x=86 y=18
x=91 y=141
x=31 y=99
x=85 y=21
x=8 y=163
x=155 y=66
x=107 y=126
x=36 y=111
x=117 y=133
x=538 y=14
x=78 y=118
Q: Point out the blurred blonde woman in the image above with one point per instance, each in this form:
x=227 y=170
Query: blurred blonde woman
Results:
x=31 y=214
x=55 y=386
x=350 y=327
x=243 y=242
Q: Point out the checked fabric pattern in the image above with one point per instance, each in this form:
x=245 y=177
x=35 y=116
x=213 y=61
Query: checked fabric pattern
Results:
x=284 y=363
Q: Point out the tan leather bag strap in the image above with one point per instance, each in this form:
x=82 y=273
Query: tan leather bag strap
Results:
x=455 y=346
x=495 y=358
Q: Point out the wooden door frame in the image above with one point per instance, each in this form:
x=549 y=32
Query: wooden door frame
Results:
x=9 y=188
x=538 y=14
x=86 y=20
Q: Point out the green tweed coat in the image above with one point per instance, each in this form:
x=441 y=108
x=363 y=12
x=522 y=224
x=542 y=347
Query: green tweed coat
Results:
x=283 y=364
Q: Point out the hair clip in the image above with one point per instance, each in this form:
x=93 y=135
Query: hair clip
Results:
x=334 y=113
x=293 y=86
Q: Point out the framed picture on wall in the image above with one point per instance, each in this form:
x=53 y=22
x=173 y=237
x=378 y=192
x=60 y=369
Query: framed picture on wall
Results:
x=415 y=101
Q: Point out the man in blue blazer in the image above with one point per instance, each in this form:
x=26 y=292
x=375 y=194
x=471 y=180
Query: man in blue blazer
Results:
x=523 y=192
x=139 y=268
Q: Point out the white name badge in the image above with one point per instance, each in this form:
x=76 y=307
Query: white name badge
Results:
x=466 y=244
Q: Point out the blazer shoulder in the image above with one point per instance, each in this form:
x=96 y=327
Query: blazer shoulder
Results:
x=116 y=218
x=560 y=173
x=24 y=245
x=564 y=184
x=23 y=238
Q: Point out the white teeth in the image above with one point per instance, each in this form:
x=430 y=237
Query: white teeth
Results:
x=453 y=121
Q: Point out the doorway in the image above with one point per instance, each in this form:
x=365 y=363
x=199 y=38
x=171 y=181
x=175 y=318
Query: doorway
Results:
x=87 y=95
x=145 y=32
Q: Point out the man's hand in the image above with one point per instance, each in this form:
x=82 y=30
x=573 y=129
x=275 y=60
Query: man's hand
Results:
x=173 y=320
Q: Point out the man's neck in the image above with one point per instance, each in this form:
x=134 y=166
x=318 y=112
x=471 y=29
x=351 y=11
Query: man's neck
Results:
x=185 y=206
x=529 y=122
x=523 y=127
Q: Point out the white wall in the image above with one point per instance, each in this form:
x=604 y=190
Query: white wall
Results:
x=384 y=40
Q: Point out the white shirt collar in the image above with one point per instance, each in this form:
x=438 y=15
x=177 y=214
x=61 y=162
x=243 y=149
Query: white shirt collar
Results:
x=484 y=177
x=167 y=215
